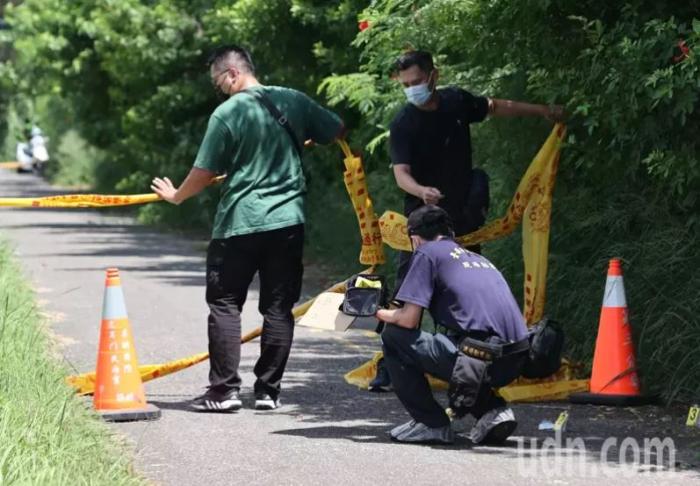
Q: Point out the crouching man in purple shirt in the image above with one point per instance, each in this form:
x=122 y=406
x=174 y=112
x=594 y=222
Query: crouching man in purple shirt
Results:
x=486 y=344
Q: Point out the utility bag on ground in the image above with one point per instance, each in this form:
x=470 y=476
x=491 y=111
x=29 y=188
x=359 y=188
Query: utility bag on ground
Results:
x=365 y=295
x=546 y=345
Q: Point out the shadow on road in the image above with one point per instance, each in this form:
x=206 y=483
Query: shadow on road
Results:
x=172 y=261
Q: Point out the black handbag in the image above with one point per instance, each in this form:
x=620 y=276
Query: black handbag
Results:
x=546 y=345
x=364 y=301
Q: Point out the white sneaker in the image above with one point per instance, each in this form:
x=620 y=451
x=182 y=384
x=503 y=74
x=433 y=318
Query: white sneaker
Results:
x=213 y=401
x=494 y=427
x=413 y=432
x=263 y=401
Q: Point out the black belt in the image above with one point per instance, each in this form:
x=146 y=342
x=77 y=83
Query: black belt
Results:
x=486 y=351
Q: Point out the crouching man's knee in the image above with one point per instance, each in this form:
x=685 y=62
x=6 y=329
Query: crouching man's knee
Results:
x=395 y=337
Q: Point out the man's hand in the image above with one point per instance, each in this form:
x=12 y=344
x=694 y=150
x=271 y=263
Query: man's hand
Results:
x=165 y=189
x=385 y=315
x=555 y=113
x=193 y=184
x=430 y=195
x=408 y=316
x=404 y=179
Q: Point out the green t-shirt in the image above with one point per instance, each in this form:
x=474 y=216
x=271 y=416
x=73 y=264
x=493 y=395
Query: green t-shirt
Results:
x=265 y=186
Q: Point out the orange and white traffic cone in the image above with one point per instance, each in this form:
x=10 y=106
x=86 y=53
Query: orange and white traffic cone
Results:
x=614 y=379
x=119 y=394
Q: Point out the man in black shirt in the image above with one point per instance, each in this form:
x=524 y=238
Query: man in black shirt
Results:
x=431 y=152
x=430 y=144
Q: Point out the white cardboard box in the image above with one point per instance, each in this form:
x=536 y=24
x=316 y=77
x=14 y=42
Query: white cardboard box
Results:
x=324 y=313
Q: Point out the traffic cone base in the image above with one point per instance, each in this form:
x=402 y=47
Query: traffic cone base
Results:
x=119 y=394
x=614 y=379
x=150 y=412
x=609 y=400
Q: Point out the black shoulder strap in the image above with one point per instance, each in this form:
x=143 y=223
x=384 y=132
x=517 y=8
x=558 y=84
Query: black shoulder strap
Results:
x=278 y=116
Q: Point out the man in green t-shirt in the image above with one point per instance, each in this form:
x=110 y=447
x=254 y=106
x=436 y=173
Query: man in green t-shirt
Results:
x=255 y=138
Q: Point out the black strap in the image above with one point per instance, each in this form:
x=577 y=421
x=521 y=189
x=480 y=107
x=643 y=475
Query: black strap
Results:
x=516 y=347
x=277 y=115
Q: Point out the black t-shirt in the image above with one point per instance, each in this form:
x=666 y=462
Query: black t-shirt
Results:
x=437 y=146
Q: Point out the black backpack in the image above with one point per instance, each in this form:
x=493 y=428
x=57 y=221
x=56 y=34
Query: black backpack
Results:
x=546 y=344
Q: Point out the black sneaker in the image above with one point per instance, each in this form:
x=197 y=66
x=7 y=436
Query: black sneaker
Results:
x=263 y=401
x=382 y=380
x=213 y=401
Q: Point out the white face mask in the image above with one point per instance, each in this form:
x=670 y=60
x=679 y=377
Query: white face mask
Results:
x=419 y=94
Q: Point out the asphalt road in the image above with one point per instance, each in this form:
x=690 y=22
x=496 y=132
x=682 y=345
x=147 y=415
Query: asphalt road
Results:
x=327 y=432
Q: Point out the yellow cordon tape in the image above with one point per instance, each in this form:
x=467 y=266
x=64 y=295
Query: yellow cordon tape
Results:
x=77 y=201
x=9 y=165
x=372 y=252
x=84 y=384
x=556 y=387
x=84 y=200
x=531 y=205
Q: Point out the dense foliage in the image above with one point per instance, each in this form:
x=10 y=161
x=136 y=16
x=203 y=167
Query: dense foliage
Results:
x=129 y=76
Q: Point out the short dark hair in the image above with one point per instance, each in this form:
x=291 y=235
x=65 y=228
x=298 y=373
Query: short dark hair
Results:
x=242 y=56
x=429 y=221
x=422 y=59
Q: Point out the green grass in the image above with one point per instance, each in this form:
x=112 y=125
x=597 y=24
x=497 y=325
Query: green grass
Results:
x=47 y=434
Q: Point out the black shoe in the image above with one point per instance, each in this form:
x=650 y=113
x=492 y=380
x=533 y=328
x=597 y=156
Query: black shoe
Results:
x=382 y=381
x=263 y=401
x=213 y=401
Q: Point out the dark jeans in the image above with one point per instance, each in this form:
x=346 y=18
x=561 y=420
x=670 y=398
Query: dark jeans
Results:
x=472 y=218
x=409 y=354
x=231 y=265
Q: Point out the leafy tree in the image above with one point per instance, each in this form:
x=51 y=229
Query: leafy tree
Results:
x=130 y=76
x=134 y=76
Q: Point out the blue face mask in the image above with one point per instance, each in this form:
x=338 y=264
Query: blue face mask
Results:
x=419 y=94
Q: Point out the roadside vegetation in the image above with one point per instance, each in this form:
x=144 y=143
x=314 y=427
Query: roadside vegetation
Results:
x=47 y=434
x=129 y=77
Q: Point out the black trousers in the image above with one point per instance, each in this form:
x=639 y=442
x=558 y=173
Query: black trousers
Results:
x=231 y=265
x=471 y=218
x=410 y=353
